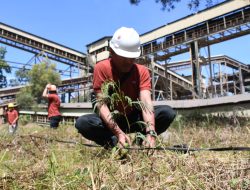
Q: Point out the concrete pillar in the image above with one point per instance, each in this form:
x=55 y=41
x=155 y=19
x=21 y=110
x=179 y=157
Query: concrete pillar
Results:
x=194 y=50
x=153 y=78
x=242 y=87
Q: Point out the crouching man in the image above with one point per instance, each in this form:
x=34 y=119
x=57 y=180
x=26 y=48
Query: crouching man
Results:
x=133 y=81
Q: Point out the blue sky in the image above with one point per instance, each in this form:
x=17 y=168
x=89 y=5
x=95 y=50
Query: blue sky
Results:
x=77 y=23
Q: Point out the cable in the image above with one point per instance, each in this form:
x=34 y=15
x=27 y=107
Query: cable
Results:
x=62 y=141
x=178 y=148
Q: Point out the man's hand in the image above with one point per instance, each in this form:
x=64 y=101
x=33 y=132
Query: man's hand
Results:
x=48 y=86
x=46 y=89
x=123 y=139
x=149 y=141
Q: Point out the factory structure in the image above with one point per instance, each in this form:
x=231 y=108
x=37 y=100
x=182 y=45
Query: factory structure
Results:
x=180 y=80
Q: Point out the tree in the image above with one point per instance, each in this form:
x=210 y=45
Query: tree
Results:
x=170 y=4
x=38 y=77
x=22 y=75
x=25 y=99
x=3 y=67
x=13 y=82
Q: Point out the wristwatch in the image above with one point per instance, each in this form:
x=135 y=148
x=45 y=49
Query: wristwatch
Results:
x=151 y=132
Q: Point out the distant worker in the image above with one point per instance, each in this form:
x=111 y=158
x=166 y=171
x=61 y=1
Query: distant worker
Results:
x=203 y=87
x=4 y=118
x=12 y=118
x=54 y=115
x=134 y=81
x=1 y=115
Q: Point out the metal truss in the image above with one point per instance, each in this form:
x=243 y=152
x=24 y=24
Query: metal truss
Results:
x=28 y=42
x=210 y=32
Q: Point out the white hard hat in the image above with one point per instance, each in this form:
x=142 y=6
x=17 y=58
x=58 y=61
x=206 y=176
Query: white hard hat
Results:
x=126 y=42
x=52 y=88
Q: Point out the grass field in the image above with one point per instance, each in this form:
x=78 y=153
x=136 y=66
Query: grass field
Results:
x=27 y=162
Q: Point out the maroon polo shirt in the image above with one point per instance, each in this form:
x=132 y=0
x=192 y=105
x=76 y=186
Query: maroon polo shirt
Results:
x=53 y=105
x=137 y=80
x=11 y=115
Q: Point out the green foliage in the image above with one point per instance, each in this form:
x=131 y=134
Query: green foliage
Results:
x=196 y=118
x=25 y=119
x=3 y=64
x=40 y=75
x=171 y=4
x=3 y=67
x=13 y=82
x=112 y=96
x=25 y=99
x=22 y=75
x=53 y=165
x=118 y=153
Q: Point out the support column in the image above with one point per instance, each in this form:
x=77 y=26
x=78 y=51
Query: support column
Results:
x=63 y=98
x=171 y=91
x=153 y=78
x=70 y=71
x=166 y=82
x=69 y=97
x=235 y=91
x=210 y=71
x=194 y=50
x=242 y=87
x=220 y=77
x=78 y=93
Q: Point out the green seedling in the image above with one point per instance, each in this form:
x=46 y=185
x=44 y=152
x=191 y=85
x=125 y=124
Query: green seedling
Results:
x=119 y=153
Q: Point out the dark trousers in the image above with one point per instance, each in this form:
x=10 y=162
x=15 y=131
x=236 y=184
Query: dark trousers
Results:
x=93 y=128
x=54 y=121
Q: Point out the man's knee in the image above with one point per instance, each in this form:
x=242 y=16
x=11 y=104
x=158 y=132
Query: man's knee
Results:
x=165 y=112
x=164 y=116
x=81 y=122
x=87 y=122
x=170 y=113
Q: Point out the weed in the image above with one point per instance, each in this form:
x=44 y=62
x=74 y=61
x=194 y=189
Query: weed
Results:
x=25 y=119
x=113 y=97
x=27 y=163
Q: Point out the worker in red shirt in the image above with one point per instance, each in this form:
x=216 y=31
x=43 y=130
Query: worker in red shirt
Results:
x=12 y=118
x=133 y=80
x=54 y=115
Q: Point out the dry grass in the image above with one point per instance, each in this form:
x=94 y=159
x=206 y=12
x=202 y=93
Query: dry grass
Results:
x=32 y=163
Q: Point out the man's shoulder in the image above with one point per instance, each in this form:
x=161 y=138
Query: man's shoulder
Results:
x=103 y=64
x=141 y=68
x=54 y=96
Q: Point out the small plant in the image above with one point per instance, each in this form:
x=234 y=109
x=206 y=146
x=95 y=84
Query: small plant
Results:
x=53 y=165
x=113 y=97
x=120 y=153
x=25 y=119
